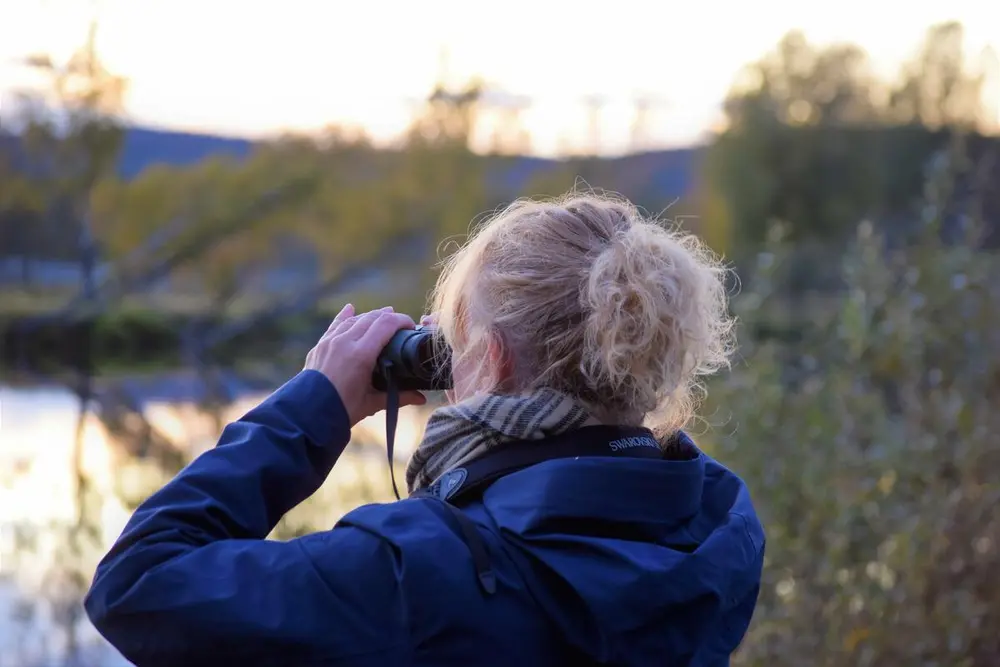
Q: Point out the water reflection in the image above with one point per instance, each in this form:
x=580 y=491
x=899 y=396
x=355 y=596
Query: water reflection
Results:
x=64 y=499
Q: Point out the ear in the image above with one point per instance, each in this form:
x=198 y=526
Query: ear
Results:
x=501 y=361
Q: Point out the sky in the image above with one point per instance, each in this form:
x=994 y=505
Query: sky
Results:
x=259 y=67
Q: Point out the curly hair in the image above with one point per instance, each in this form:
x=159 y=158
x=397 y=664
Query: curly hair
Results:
x=587 y=296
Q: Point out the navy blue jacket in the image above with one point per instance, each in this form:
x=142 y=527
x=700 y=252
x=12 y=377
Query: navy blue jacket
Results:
x=604 y=560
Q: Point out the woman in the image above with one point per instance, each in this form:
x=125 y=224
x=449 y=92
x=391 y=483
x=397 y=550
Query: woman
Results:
x=571 y=324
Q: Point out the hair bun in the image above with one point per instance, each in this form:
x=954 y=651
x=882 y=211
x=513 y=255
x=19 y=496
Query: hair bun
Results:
x=657 y=319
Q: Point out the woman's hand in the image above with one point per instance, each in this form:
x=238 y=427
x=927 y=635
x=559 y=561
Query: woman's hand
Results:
x=346 y=355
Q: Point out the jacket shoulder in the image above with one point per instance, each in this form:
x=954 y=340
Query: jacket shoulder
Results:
x=399 y=522
x=726 y=494
x=420 y=530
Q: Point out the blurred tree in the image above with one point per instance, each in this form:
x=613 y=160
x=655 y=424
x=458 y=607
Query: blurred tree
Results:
x=507 y=134
x=785 y=154
x=813 y=139
x=798 y=84
x=938 y=87
x=21 y=206
x=360 y=202
x=439 y=185
x=448 y=117
x=228 y=214
x=715 y=219
x=71 y=140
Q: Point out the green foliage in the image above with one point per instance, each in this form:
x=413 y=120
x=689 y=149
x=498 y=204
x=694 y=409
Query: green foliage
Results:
x=353 y=204
x=870 y=447
x=816 y=140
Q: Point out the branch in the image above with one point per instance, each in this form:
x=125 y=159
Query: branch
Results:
x=119 y=283
x=284 y=308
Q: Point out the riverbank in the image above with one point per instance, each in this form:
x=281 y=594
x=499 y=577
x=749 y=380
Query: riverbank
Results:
x=138 y=338
x=155 y=331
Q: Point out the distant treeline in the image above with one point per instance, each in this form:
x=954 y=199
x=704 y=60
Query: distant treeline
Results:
x=814 y=143
x=824 y=179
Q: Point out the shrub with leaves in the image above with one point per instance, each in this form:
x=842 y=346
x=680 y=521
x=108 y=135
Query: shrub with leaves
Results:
x=871 y=445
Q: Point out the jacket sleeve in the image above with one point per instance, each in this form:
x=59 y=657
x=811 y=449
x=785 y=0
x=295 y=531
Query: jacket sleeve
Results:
x=192 y=579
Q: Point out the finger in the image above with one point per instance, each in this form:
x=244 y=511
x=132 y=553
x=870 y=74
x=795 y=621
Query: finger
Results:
x=429 y=320
x=345 y=326
x=377 y=311
x=341 y=323
x=377 y=333
x=363 y=323
x=342 y=327
x=396 y=321
x=345 y=312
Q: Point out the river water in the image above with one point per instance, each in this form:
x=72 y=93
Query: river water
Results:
x=42 y=459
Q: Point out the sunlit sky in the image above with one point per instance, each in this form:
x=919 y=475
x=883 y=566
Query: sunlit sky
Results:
x=260 y=67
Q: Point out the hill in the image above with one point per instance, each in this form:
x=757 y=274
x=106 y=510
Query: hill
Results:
x=659 y=174
x=145 y=147
x=667 y=173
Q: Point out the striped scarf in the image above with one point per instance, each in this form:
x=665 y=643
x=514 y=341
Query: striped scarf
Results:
x=459 y=433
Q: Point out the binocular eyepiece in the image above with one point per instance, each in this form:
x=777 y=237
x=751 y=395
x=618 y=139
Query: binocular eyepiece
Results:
x=410 y=362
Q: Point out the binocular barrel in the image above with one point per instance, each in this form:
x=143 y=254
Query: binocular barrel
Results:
x=411 y=362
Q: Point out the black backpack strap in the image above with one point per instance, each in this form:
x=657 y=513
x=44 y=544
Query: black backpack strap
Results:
x=462 y=485
x=477 y=547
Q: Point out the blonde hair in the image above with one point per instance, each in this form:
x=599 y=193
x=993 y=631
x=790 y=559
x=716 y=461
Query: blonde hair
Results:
x=586 y=296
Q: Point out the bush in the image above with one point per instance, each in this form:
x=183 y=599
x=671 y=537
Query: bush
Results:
x=871 y=446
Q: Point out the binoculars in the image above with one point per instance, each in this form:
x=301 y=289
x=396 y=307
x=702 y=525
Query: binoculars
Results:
x=410 y=362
